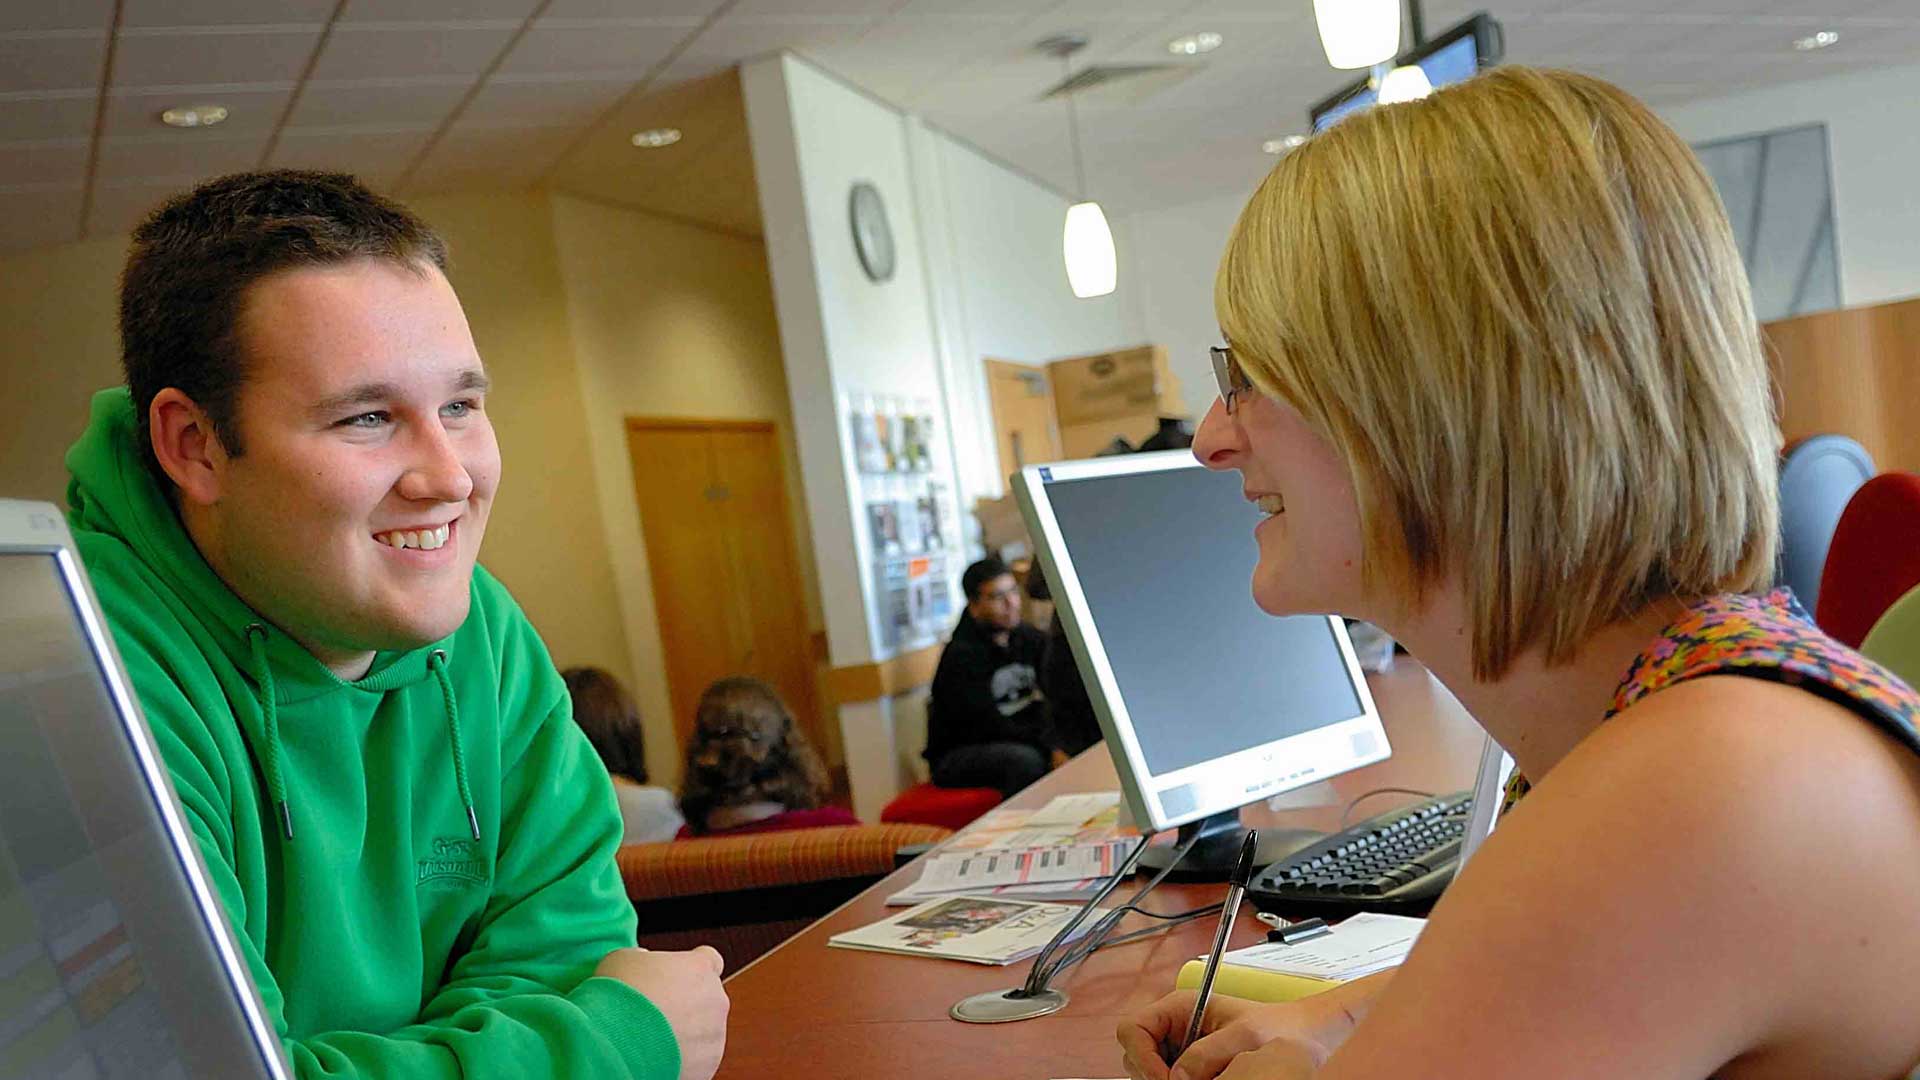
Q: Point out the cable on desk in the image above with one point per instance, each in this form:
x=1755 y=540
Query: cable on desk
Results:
x=1347 y=814
x=1039 y=978
x=1038 y=975
x=1089 y=945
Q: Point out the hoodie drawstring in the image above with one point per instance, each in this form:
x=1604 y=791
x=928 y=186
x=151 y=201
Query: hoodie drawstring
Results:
x=438 y=662
x=270 y=724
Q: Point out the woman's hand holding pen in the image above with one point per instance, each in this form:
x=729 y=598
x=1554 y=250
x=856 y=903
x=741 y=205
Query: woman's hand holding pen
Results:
x=1232 y=1026
x=1315 y=1026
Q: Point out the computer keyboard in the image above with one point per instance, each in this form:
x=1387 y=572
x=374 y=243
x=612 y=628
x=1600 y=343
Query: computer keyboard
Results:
x=1399 y=861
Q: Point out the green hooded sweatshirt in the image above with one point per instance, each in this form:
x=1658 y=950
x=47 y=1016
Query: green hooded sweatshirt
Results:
x=418 y=865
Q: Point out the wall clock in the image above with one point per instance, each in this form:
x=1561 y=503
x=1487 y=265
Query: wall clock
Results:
x=872 y=236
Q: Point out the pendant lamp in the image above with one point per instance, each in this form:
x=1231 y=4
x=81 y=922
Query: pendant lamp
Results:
x=1086 y=243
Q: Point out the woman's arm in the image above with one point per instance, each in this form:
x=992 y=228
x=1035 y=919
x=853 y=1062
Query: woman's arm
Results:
x=1722 y=874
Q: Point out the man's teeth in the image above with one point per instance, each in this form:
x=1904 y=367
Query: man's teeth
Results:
x=423 y=539
x=1271 y=504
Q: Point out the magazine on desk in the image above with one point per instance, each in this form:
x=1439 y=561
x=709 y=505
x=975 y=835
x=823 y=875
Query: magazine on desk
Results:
x=977 y=929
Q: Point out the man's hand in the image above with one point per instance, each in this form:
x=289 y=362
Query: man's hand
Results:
x=685 y=987
x=1057 y=758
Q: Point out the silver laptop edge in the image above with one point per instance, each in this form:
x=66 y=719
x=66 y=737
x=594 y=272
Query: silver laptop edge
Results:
x=38 y=528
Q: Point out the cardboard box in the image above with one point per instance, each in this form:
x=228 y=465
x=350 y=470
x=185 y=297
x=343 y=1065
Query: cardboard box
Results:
x=1103 y=386
x=1088 y=439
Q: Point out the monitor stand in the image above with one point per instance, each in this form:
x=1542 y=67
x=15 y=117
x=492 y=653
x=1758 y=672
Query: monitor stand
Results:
x=1213 y=857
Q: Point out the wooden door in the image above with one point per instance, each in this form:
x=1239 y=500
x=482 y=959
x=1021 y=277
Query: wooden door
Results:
x=720 y=552
x=1023 y=421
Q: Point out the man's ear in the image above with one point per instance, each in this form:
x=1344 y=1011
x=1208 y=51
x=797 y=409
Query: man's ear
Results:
x=186 y=446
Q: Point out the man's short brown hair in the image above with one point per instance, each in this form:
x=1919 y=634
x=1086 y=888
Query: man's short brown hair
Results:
x=193 y=259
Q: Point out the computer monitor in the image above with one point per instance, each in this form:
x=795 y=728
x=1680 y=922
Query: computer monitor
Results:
x=1207 y=702
x=115 y=957
x=1455 y=55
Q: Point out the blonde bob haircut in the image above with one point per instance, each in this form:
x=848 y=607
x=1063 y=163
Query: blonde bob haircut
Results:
x=1516 y=309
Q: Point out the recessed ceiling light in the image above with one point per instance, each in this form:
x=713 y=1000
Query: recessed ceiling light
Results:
x=653 y=137
x=1817 y=41
x=1281 y=146
x=191 y=116
x=1195 y=44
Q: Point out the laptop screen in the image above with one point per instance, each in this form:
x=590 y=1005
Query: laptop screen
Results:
x=108 y=964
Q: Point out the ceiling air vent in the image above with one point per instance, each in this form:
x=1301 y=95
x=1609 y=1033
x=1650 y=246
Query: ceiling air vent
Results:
x=1119 y=84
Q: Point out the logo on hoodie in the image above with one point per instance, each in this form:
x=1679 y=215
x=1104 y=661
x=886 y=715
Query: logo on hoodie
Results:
x=455 y=860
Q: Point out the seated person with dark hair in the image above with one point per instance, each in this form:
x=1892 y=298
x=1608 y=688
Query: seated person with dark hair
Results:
x=987 y=724
x=607 y=713
x=750 y=769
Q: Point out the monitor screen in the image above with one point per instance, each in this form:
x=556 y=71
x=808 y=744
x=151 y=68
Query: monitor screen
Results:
x=108 y=966
x=1449 y=58
x=1207 y=702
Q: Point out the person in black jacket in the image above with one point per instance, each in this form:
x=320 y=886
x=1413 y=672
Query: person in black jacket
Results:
x=987 y=723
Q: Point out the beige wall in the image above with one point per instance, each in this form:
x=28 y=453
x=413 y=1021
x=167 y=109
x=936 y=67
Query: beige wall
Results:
x=669 y=320
x=57 y=346
x=544 y=537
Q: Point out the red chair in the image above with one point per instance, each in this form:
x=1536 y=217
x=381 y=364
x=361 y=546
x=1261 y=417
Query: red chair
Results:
x=1874 y=558
x=950 y=808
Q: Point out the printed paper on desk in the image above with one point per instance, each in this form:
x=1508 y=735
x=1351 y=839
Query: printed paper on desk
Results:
x=977 y=929
x=1362 y=945
x=948 y=872
x=1075 y=810
x=1004 y=830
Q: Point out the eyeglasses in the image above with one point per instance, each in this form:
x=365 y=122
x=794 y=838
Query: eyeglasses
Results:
x=1232 y=381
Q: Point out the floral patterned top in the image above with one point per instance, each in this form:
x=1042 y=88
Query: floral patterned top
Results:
x=1768 y=637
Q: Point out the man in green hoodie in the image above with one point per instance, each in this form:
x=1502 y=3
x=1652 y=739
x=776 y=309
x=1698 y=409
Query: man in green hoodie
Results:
x=280 y=513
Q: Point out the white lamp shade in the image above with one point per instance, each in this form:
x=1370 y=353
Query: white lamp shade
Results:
x=1087 y=243
x=1406 y=83
x=1358 y=33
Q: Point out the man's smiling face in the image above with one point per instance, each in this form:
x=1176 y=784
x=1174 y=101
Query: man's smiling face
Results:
x=353 y=516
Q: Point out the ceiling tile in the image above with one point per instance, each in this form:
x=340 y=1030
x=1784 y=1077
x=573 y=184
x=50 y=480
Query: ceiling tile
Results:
x=392 y=102
x=248 y=111
x=53 y=161
x=735 y=38
x=144 y=13
x=626 y=47
x=203 y=56
x=129 y=159
x=39 y=218
x=855 y=10
x=515 y=103
x=470 y=158
x=630 y=9
x=367 y=51
x=94 y=15
x=363 y=153
x=52 y=63
x=47 y=118
x=432 y=10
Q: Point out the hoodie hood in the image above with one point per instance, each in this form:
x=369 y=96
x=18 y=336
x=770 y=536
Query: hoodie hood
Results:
x=114 y=493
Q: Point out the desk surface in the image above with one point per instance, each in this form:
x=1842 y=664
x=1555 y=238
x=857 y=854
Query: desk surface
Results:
x=806 y=1010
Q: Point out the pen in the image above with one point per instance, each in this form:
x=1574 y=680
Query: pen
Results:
x=1229 y=911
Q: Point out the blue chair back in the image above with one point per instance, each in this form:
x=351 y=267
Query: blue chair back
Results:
x=1817 y=478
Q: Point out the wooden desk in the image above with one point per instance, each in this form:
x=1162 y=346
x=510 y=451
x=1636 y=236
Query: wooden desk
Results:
x=805 y=1010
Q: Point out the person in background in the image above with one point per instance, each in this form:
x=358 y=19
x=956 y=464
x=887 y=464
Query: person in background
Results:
x=987 y=723
x=606 y=712
x=1493 y=377
x=750 y=769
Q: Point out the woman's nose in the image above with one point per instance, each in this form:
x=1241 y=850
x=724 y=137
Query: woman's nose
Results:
x=1219 y=442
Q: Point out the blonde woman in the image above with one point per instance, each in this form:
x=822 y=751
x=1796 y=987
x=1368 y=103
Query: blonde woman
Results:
x=1494 y=374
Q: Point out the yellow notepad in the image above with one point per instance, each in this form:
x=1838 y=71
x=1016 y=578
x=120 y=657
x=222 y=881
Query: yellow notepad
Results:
x=1365 y=944
x=1252 y=983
